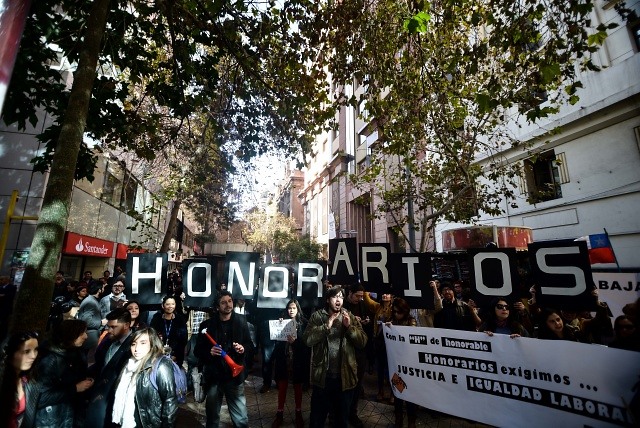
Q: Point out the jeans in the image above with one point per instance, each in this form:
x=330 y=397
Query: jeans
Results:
x=332 y=396
x=236 y=402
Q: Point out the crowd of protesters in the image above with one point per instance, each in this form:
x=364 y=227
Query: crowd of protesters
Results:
x=103 y=363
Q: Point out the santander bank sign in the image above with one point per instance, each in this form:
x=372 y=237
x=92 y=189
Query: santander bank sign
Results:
x=87 y=246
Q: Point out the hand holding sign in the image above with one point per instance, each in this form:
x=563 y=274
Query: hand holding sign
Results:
x=280 y=330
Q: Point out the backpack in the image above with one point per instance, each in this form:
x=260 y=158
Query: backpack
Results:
x=178 y=374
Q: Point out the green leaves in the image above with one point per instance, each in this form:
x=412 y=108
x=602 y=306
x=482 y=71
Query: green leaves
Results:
x=454 y=78
x=549 y=72
x=419 y=23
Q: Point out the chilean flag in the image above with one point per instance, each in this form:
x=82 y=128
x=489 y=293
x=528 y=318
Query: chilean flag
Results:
x=600 y=249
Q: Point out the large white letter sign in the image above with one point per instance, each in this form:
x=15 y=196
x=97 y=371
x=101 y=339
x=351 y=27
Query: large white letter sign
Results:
x=507 y=287
x=578 y=274
x=234 y=270
x=317 y=278
x=136 y=275
x=280 y=294
x=411 y=274
x=381 y=265
x=342 y=255
x=207 y=286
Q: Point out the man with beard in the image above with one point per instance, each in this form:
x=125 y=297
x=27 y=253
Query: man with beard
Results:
x=455 y=314
x=334 y=334
x=111 y=356
x=231 y=332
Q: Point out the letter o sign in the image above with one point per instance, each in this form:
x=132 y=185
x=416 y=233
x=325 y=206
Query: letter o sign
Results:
x=507 y=287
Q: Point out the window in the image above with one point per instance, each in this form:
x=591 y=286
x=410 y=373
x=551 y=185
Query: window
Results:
x=360 y=217
x=364 y=164
x=362 y=112
x=112 y=186
x=543 y=175
x=127 y=202
x=635 y=33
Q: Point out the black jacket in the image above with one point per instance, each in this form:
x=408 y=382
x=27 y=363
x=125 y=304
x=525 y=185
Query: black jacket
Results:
x=177 y=328
x=455 y=315
x=58 y=373
x=215 y=369
x=156 y=407
x=100 y=395
x=292 y=361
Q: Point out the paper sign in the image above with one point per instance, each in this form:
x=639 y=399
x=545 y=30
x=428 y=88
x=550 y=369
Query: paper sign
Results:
x=279 y=330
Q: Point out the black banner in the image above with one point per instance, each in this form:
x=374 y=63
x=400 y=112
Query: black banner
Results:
x=560 y=270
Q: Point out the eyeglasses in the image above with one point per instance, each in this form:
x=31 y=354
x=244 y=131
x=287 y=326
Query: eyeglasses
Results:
x=502 y=307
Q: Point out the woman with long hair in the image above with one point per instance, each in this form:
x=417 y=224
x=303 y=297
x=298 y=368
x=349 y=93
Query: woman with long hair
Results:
x=79 y=295
x=171 y=326
x=137 y=402
x=18 y=393
x=551 y=327
x=291 y=362
x=500 y=319
x=62 y=377
x=401 y=315
x=134 y=309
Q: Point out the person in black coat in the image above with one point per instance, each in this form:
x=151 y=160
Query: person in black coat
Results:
x=111 y=356
x=136 y=398
x=62 y=377
x=231 y=333
x=291 y=362
x=171 y=326
x=19 y=391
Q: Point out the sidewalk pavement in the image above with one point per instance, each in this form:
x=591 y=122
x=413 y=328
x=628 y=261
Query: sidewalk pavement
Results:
x=262 y=410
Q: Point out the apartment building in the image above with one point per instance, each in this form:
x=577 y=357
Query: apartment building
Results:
x=586 y=178
x=333 y=206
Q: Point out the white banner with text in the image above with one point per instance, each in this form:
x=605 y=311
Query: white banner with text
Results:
x=505 y=382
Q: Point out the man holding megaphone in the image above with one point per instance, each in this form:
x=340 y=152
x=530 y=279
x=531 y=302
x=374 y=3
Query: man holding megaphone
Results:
x=221 y=346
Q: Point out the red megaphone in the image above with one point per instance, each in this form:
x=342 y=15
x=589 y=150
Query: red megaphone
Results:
x=236 y=369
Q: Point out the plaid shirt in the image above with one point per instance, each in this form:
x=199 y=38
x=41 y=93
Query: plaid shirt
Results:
x=195 y=319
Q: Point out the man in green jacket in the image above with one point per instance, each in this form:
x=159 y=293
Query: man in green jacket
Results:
x=334 y=334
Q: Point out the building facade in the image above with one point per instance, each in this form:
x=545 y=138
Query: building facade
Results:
x=333 y=206
x=574 y=183
x=100 y=230
x=586 y=178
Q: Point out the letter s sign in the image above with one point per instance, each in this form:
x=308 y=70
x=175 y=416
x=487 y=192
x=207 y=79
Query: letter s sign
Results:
x=579 y=274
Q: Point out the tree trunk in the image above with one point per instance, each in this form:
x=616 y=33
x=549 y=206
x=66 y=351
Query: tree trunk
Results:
x=173 y=219
x=33 y=300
